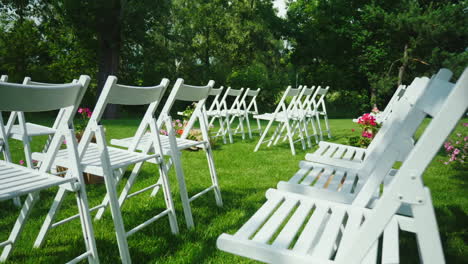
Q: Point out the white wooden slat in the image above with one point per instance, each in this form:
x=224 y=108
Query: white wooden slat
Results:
x=258 y=218
x=329 y=236
x=390 y=246
x=322 y=147
x=330 y=151
x=339 y=152
x=270 y=227
x=349 y=154
x=359 y=155
x=12 y=177
x=336 y=181
x=299 y=175
x=312 y=228
x=349 y=182
x=324 y=178
x=350 y=231
x=311 y=176
x=285 y=237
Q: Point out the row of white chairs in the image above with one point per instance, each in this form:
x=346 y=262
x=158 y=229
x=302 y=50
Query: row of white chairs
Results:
x=147 y=145
x=242 y=107
x=298 y=110
x=350 y=205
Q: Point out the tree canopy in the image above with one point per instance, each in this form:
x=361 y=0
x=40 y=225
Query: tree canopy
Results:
x=361 y=49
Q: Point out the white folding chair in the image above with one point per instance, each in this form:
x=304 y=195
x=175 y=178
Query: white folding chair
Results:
x=239 y=111
x=250 y=108
x=214 y=113
x=319 y=109
x=231 y=112
x=172 y=146
x=301 y=110
x=329 y=151
x=17 y=180
x=110 y=162
x=283 y=114
x=294 y=228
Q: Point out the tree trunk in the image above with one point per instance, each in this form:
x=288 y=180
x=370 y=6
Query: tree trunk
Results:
x=401 y=71
x=110 y=42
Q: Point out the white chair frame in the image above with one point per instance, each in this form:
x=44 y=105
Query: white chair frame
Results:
x=282 y=114
x=350 y=233
x=173 y=146
x=17 y=180
x=114 y=161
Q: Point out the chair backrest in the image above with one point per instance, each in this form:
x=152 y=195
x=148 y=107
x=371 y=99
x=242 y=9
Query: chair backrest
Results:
x=447 y=105
x=38 y=98
x=289 y=93
x=308 y=102
x=216 y=105
x=399 y=135
x=318 y=98
x=253 y=100
x=4 y=78
x=189 y=93
x=113 y=93
x=236 y=104
x=389 y=107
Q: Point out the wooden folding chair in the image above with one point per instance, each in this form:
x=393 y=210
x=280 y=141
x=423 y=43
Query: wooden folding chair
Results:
x=283 y=114
x=17 y=180
x=110 y=162
x=294 y=228
x=172 y=146
x=214 y=113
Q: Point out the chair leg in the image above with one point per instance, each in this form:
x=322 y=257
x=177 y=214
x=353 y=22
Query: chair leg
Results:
x=303 y=122
x=117 y=217
x=325 y=116
x=241 y=124
x=86 y=224
x=19 y=225
x=319 y=126
x=59 y=197
x=105 y=202
x=427 y=234
x=128 y=185
x=221 y=125
x=168 y=199
x=182 y=188
x=259 y=126
x=262 y=137
x=291 y=140
x=214 y=177
x=314 y=129
x=228 y=123
x=248 y=126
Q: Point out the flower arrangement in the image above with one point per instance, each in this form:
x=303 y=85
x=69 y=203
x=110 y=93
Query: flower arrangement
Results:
x=178 y=127
x=369 y=127
x=82 y=121
x=457 y=148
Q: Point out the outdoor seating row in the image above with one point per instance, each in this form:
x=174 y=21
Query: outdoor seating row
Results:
x=147 y=145
x=351 y=208
x=298 y=109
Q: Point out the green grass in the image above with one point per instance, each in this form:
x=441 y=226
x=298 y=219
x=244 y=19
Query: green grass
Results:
x=244 y=177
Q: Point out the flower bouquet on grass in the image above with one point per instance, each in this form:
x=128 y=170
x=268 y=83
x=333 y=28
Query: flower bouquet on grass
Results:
x=369 y=127
x=80 y=123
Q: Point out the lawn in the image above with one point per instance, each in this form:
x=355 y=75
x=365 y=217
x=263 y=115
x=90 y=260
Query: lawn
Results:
x=244 y=177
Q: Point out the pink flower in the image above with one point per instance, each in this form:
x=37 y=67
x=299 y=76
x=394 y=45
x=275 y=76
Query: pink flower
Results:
x=80 y=110
x=465 y=124
x=89 y=114
x=446 y=163
x=64 y=141
x=21 y=162
x=456 y=151
x=367 y=134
